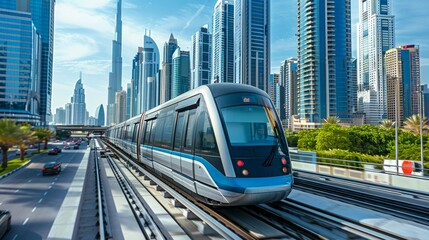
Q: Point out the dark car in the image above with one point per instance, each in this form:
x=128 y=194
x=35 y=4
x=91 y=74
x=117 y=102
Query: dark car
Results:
x=58 y=149
x=5 y=219
x=66 y=147
x=76 y=147
x=51 y=168
x=53 y=151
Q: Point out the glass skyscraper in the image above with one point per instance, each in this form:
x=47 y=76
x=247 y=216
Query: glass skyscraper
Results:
x=288 y=78
x=252 y=42
x=324 y=53
x=180 y=73
x=223 y=42
x=201 y=57
x=99 y=114
x=78 y=104
x=20 y=67
x=375 y=36
x=165 y=81
x=148 y=88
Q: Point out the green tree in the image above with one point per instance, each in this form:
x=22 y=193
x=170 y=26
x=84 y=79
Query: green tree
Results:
x=387 y=124
x=8 y=138
x=307 y=139
x=26 y=136
x=412 y=124
x=333 y=136
x=63 y=134
x=43 y=134
x=292 y=139
x=332 y=120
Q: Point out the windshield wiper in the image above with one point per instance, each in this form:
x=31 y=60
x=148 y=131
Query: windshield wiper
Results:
x=270 y=158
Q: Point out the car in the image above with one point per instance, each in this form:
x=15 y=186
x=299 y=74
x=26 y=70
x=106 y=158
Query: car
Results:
x=53 y=151
x=66 y=147
x=51 y=168
x=5 y=219
x=76 y=147
x=18 y=152
x=58 y=149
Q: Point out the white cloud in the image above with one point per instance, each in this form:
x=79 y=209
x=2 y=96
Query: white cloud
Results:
x=200 y=9
x=70 y=47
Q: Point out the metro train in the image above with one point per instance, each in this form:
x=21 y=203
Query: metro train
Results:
x=222 y=142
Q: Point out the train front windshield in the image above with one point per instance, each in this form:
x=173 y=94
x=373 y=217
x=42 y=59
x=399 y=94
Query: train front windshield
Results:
x=252 y=128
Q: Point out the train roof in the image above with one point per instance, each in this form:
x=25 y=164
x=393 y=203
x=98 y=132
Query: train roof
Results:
x=219 y=89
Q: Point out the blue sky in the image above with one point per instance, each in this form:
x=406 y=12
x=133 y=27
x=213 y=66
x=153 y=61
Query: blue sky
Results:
x=84 y=31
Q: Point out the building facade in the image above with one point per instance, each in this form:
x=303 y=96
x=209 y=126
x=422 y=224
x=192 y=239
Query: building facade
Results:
x=99 y=115
x=402 y=65
x=135 y=81
x=375 y=37
x=78 y=105
x=115 y=76
x=201 y=51
x=60 y=116
x=324 y=53
x=223 y=42
x=180 y=73
x=166 y=72
x=68 y=109
x=20 y=67
x=121 y=106
x=289 y=79
x=252 y=42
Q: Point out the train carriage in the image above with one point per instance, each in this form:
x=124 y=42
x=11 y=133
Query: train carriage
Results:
x=222 y=142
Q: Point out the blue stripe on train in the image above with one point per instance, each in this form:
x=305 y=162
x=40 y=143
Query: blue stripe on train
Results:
x=237 y=185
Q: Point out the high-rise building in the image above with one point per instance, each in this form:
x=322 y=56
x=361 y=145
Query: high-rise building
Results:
x=68 y=109
x=375 y=36
x=289 y=79
x=180 y=73
x=324 y=53
x=148 y=84
x=354 y=77
x=252 y=42
x=99 y=115
x=166 y=72
x=115 y=76
x=60 y=116
x=201 y=51
x=78 y=104
x=92 y=121
x=135 y=81
x=402 y=65
x=277 y=91
x=129 y=92
x=20 y=67
x=425 y=92
x=223 y=42
x=121 y=106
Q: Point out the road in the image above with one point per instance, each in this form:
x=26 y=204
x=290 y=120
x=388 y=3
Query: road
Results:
x=34 y=200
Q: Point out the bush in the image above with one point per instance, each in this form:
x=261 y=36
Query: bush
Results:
x=338 y=155
x=292 y=140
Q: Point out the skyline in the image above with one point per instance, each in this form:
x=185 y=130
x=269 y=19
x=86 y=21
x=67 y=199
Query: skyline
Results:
x=90 y=44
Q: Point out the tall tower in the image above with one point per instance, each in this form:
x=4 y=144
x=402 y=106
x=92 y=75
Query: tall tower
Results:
x=375 y=36
x=148 y=88
x=252 y=42
x=289 y=79
x=115 y=76
x=402 y=66
x=201 y=57
x=78 y=103
x=99 y=114
x=165 y=81
x=223 y=42
x=180 y=73
x=324 y=53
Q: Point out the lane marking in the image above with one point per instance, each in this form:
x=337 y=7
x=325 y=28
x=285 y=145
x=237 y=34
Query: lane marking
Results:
x=50 y=187
x=30 y=180
x=17 y=190
x=52 y=183
x=45 y=193
x=40 y=200
x=26 y=220
x=1 y=203
x=34 y=209
x=15 y=237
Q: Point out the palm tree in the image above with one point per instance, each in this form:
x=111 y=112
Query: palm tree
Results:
x=8 y=137
x=387 y=124
x=412 y=124
x=43 y=134
x=332 y=120
x=26 y=137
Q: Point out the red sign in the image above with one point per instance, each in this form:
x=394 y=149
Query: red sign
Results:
x=407 y=167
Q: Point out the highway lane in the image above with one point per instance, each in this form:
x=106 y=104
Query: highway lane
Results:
x=34 y=200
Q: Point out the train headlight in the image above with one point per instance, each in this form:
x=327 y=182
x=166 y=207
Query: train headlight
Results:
x=284 y=162
x=245 y=172
x=240 y=163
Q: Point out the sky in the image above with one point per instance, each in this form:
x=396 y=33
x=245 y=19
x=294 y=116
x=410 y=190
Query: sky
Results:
x=84 y=31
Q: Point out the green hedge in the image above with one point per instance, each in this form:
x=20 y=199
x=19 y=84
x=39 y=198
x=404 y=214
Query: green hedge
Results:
x=337 y=155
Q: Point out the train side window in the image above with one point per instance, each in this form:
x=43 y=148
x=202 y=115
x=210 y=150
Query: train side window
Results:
x=178 y=136
x=136 y=131
x=190 y=131
x=158 y=131
x=205 y=142
x=148 y=127
x=167 y=133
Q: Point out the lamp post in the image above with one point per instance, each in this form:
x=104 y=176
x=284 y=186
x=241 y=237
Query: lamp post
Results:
x=396 y=124
x=421 y=129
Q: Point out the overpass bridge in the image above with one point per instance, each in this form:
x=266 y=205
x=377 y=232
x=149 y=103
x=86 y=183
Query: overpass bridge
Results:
x=97 y=130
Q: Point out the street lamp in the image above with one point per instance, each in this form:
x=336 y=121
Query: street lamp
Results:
x=421 y=129
x=396 y=123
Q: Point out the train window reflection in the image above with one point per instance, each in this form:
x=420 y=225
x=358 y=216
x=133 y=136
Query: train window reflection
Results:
x=248 y=125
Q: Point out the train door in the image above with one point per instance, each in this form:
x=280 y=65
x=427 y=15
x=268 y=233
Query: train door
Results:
x=178 y=140
x=187 y=158
x=146 y=150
